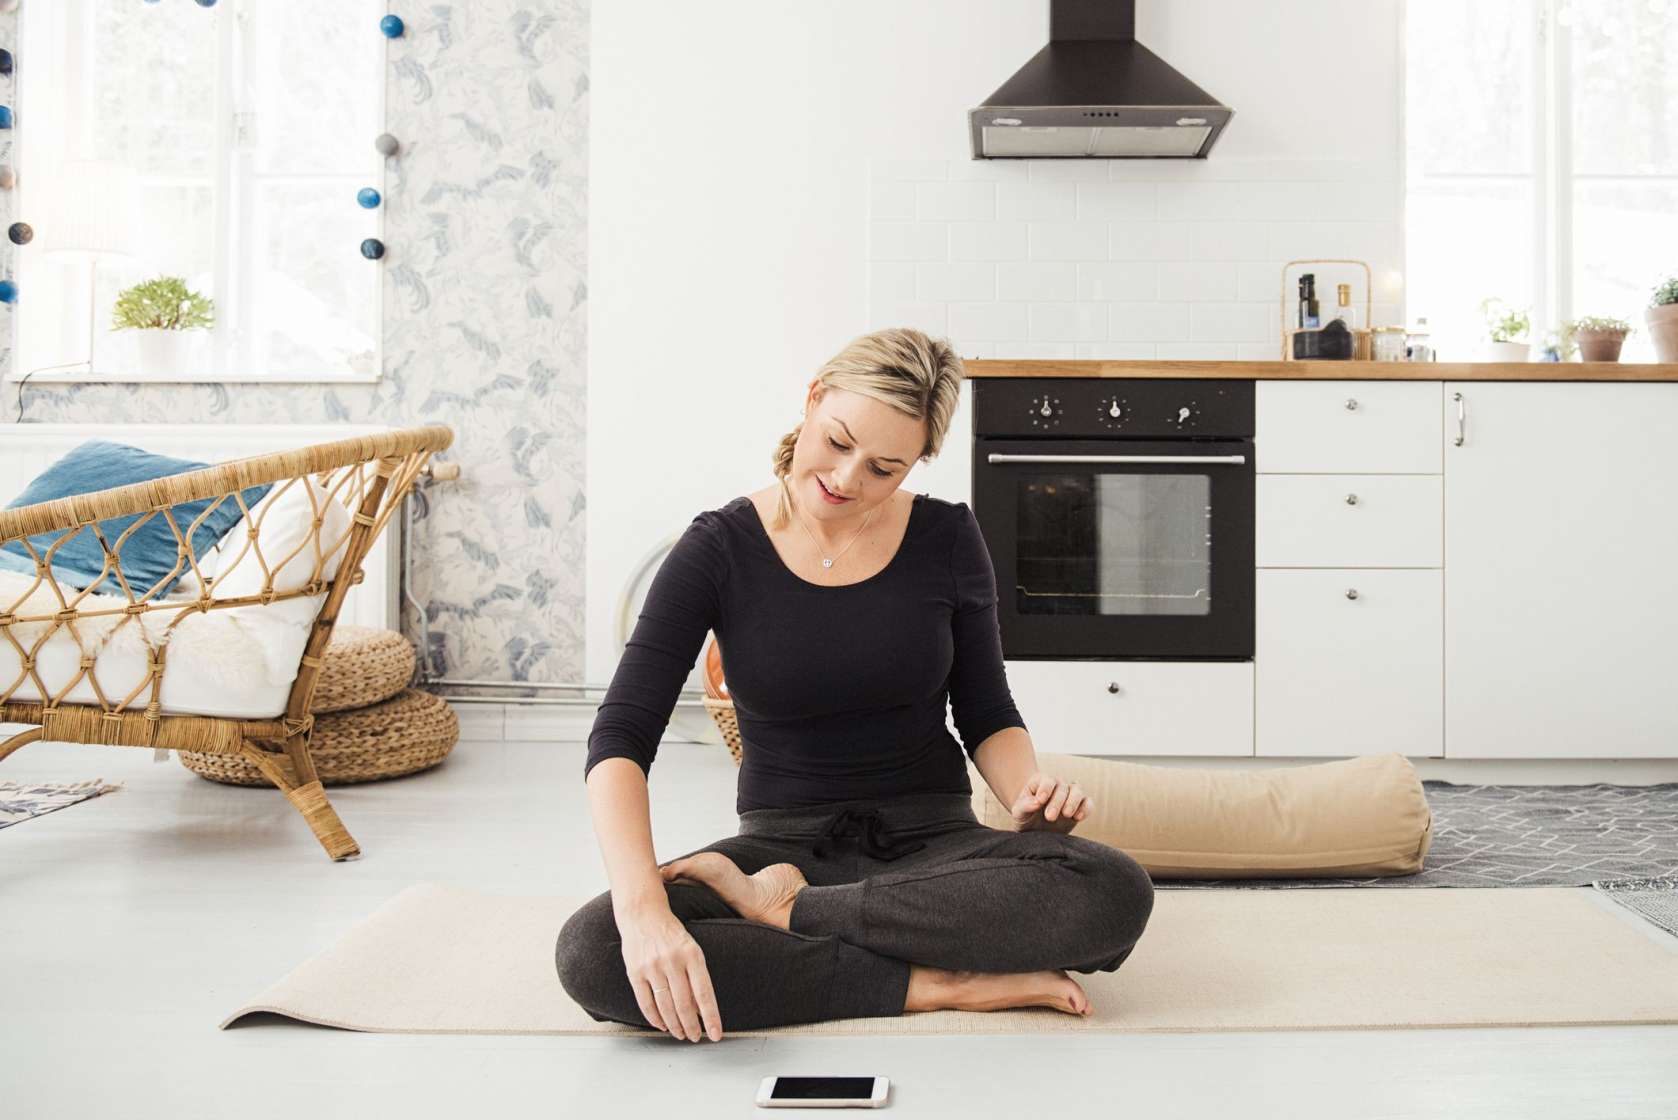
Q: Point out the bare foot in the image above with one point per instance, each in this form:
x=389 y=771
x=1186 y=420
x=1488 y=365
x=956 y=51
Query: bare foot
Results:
x=933 y=989
x=764 y=897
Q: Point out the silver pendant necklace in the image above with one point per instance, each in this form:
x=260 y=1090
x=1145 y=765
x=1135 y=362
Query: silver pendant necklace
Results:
x=827 y=561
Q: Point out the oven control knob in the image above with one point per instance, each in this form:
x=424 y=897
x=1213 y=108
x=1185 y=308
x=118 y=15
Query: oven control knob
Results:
x=1044 y=411
x=1115 y=411
x=1186 y=415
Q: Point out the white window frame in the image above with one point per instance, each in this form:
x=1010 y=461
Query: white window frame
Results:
x=1552 y=174
x=234 y=194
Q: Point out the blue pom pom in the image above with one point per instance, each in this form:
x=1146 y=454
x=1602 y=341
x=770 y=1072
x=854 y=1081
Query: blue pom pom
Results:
x=391 y=26
x=372 y=248
x=8 y=292
x=5 y=117
x=367 y=197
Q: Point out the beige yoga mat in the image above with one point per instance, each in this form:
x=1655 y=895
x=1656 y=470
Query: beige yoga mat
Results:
x=443 y=959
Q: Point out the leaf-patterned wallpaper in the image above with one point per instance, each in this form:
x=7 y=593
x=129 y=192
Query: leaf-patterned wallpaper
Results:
x=485 y=327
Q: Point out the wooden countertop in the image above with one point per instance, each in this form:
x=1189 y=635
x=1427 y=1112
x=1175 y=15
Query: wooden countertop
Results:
x=1327 y=370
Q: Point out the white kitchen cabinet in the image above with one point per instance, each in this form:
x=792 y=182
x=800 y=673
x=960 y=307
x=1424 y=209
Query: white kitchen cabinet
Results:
x=1346 y=427
x=1561 y=570
x=1185 y=708
x=1348 y=520
x=1348 y=662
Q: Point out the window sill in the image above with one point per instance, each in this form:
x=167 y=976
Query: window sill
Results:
x=121 y=377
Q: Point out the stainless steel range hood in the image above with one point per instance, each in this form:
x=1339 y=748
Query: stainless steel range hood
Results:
x=1094 y=92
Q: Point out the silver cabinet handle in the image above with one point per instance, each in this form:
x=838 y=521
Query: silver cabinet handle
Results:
x=1462 y=418
x=1351 y=593
x=1112 y=686
x=1351 y=405
x=1351 y=499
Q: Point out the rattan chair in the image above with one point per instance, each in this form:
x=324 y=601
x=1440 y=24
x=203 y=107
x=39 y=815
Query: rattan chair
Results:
x=369 y=475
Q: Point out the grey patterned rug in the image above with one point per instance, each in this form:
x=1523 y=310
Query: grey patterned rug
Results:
x=1621 y=840
x=21 y=800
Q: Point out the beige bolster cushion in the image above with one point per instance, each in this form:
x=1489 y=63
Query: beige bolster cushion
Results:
x=1362 y=816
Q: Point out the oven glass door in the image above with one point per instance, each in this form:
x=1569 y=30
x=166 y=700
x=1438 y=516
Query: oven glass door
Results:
x=1108 y=548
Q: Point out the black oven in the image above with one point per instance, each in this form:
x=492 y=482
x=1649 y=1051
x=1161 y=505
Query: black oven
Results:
x=1119 y=515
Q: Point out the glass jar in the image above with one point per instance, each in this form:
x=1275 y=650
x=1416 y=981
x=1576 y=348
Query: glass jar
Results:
x=1387 y=344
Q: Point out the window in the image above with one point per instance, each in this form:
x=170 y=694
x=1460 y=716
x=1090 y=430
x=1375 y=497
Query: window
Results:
x=1541 y=156
x=249 y=127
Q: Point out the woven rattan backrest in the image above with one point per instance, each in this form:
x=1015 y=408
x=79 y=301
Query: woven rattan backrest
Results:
x=368 y=476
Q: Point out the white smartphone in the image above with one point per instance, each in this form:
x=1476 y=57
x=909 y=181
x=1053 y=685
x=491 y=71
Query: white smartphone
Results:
x=823 y=1092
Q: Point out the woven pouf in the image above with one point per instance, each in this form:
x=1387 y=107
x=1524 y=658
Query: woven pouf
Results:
x=409 y=732
x=362 y=665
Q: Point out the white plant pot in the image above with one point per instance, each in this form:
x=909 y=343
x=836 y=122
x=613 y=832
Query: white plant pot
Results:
x=1506 y=351
x=161 y=352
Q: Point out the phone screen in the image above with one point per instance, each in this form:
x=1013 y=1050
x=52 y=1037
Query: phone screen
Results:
x=816 y=1088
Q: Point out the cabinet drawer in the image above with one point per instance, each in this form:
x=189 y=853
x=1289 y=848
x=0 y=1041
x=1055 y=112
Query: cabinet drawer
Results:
x=1136 y=707
x=1349 y=521
x=1329 y=427
x=1346 y=676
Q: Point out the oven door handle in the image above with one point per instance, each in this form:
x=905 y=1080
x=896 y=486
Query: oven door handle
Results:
x=1005 y=457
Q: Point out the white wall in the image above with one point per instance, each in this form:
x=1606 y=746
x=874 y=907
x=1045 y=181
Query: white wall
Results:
x=758 y=167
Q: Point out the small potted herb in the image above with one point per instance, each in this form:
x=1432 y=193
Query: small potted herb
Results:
x=1662 y=317
x=1599 y=339
x=1506 y=330
x=161 y=310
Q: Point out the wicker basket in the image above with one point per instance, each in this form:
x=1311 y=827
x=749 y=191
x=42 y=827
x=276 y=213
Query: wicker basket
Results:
x=364 y=665
x=409 y=732
x=722 y=711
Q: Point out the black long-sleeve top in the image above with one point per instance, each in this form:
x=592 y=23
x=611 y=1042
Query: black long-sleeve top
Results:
x=839 y=692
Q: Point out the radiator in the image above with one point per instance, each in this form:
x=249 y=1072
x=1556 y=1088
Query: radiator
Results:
x=27 y=449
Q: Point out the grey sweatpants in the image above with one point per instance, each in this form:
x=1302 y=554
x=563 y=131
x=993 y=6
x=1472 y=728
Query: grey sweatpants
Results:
x=893 y=881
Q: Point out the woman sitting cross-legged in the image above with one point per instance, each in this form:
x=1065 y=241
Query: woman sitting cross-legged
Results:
x=849 y=613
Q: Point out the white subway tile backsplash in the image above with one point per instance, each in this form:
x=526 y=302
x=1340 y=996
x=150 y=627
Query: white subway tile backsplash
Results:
x=891 y=281
x=908 y=241
x=1197 y=351
x=1068 y=241
x=1230 y=322
x=1036 y=280
x=987 y=241
x=1042 y=201
x=1148 y=322
x=1116 y=202
x=891 y=200
x=956 y=280
x=1121 y=259
x=1069 y=322
x=915 y=170
x=933 y=318
x=1027 y=349
x=1118 y=280
x=1196 y=280
x=1147 y=241
x=1116 y=351
x=1068 y=168
x=959 y=201
x=1259 y=280
x=1229 y=241
x=993 y=321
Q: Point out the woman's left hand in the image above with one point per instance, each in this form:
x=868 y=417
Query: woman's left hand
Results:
x=1047 y=803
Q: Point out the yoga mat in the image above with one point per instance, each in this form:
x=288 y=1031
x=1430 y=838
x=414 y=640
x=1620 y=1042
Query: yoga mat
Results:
x=443 y=959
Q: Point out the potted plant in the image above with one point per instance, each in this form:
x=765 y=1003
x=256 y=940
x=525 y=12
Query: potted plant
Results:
x=1506 y=329
x=161 y=309
x=1662 y=317
x=1599 y=339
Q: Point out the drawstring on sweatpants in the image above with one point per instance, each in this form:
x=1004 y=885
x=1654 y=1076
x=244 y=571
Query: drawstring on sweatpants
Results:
x=846 y=822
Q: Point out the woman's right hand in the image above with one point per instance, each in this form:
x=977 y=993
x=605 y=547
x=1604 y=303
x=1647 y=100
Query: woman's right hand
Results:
x=667 y=971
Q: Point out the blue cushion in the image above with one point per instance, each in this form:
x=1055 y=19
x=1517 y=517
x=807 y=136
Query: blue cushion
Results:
x=150 y=553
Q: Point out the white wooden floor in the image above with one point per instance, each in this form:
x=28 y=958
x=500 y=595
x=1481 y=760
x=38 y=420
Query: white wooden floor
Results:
x=132 y=923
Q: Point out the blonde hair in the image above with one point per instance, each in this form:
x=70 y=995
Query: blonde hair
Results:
x=900 y=366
